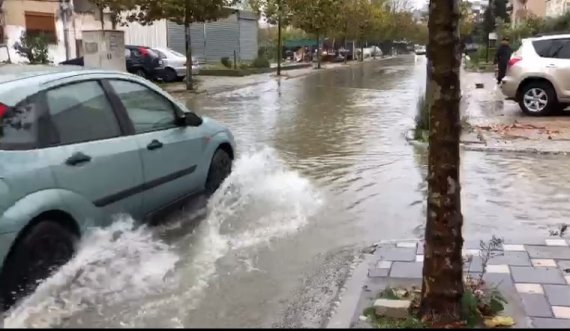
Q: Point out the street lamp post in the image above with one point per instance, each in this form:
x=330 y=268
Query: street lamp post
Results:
x=279 y=41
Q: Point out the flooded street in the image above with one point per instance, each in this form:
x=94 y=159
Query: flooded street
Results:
x=323 y=171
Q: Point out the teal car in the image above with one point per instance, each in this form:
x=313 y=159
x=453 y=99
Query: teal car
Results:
x=78 y=147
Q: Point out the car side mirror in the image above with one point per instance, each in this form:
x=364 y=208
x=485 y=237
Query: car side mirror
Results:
x=191 y=119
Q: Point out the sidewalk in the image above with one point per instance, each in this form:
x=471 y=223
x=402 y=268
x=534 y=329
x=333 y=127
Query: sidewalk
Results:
x=219 y=84
x=533 y=277
x=495 y=124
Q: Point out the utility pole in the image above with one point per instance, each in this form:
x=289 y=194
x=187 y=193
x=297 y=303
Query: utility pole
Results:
x=64 y=9
x=279 y=41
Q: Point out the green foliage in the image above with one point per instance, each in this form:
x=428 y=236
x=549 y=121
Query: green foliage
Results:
x=226 y=62
x=422 y=119
x=469 y=309
x=181 y=11
x=382 y=322
x=314 y=16
x=261 y=60
x=272 y=10
x=33 y=47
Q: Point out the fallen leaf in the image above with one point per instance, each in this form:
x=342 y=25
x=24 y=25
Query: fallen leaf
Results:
x=499 y=321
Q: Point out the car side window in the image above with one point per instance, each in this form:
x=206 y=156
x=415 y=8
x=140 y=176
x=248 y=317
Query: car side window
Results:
x=81 y=112
x=564 y=52
x=543 y=47
x=19 y=125
x=148 y=110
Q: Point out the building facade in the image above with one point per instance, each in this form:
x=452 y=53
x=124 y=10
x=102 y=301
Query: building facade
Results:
x=555 y=8
x=63 y=21
x=521 y=9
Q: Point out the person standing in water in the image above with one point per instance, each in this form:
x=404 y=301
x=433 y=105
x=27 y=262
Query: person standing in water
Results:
x=502 y=57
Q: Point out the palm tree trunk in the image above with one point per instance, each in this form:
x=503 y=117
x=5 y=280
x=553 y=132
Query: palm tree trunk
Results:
x=442 y=286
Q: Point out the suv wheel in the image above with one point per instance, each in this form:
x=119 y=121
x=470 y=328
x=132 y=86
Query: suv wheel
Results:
x=537 y=99
x=42 y=250
x=220 y=169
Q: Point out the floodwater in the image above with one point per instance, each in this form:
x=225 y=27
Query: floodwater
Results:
x=323 y=170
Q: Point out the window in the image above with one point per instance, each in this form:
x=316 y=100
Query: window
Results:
x=552 y=48
x=81 y=112
x=564 y=52
x=19 y=125
x=148 y=110
x=41 y=23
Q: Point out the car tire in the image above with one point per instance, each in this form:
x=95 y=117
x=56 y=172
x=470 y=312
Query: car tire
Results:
x=141 y=73
x=220 y=169
x=170 y=75
x=538 y=99
x=41 y=250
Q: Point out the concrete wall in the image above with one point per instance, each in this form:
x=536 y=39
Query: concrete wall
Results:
x=555 y=8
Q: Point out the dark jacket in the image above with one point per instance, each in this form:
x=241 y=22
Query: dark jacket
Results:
x=503 y=55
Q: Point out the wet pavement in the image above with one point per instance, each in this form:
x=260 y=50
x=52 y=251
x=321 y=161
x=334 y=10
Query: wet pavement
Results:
x=324 y=170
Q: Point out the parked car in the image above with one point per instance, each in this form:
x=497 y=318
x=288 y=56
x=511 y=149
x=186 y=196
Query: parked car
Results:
x=140 y=60
x=420 y=50
x=174 y=64
x=78 y=146
x=538 y=75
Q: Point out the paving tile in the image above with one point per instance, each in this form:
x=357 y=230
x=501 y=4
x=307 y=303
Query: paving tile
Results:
x=475 y=265
x=536 y=305
x=498 y=269
x=406 y=244
x=561 y=312
x=548 y=252
x=564 y=265
x=567 y=279
x=383 y=264
x=529 y=288
x=377 y=272
x=502 y=281
x=512 y=258
x=556 y=242
x=542 y=275
x=550 y=323
x=406 y=270
x=419 y=258
x=558 y=295
x=543 y=262
x=472 y=252
x=391 y=253
x=513 y=248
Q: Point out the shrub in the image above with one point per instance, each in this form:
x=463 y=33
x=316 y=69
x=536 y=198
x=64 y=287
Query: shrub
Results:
x=260 y=62
x=34 y=48
x=226 y=62
x=421 y=130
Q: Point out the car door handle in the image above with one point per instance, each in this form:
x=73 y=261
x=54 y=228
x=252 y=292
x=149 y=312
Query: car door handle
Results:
x=155 y=144
x=77 y=159
x=551 y=66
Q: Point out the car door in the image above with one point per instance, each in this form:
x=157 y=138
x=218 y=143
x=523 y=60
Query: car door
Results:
x=91 y=158
x=559 y=66
x=170 y=152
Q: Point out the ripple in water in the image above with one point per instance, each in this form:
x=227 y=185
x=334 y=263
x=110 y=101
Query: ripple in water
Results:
x=124 y=276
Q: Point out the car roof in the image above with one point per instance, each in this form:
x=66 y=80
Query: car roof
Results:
x=18 y=81
x=552 y=36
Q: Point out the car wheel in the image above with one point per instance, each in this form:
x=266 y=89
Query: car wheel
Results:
x=538 y=99
x=170 y=75
x=42 y=250
x=220 y=169
x=140 y=73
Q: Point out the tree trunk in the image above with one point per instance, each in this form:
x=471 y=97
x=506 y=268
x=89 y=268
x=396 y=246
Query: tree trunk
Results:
x=318 y=51
x=279 y=42
x=102 y=17
x=188 y=46
x=361 y=51
x=442 y=286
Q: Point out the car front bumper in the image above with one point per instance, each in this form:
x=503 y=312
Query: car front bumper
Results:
x=181 y=71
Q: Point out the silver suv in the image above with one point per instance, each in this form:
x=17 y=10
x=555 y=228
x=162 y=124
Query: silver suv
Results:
x=538 y=75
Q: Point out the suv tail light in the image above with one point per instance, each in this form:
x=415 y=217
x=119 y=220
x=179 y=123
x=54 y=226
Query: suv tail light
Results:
x=3 y=110
x=513 y=61
x=143 y=51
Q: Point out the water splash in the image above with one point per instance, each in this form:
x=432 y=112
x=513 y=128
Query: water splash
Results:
x=123 y=276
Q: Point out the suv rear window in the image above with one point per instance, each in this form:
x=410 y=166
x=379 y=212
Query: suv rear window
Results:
x=551 y=48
